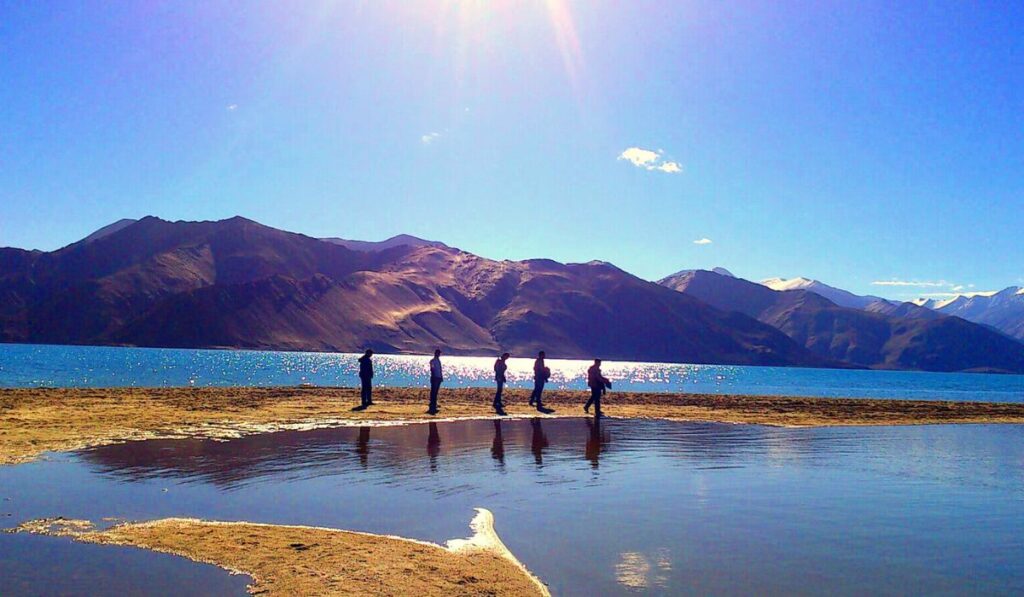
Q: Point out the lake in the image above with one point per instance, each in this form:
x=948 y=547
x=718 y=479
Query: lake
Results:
x=91 y=366
x=612 y=508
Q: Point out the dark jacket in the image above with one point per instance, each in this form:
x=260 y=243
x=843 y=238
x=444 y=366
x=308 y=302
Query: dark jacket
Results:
x=500 y=367
x=540 y=372
x=365 y=367
x=595 y=379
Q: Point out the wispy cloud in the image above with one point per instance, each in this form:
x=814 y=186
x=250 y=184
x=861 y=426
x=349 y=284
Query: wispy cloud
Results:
x=702 y=241
x=650 y=160
x=953 y=294
x=231 y=107
x=915 y=283
x=939 y=289
x=429 y=138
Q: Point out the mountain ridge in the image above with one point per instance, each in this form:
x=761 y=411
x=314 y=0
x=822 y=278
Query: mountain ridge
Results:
x=868 y=338
x=238 y=283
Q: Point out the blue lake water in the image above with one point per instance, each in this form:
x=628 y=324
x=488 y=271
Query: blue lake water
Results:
x=87 y=366
x=618 y=508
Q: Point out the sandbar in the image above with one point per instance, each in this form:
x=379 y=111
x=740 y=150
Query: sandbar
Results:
x=303 y=560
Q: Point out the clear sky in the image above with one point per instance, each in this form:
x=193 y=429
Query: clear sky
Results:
x=853 y=142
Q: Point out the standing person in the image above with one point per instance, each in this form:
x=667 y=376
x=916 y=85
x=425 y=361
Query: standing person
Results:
x=435 y=381
x=597 y=383
x=541 y=374
x=366 y=379
x=500 y=367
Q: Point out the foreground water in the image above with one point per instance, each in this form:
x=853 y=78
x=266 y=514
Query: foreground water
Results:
x=91 y=366
x=624 y=506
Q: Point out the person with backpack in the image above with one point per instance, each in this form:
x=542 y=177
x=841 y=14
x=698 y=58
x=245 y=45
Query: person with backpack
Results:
x=598 y=383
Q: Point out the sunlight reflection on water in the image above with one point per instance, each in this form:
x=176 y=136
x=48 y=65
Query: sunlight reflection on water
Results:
x=88 y=366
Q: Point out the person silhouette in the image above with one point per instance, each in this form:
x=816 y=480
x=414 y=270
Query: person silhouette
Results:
x=595 y=442
x=597 y=383
x=435 y=381
x=365 y=380
x=500 y=367
x=541 y=374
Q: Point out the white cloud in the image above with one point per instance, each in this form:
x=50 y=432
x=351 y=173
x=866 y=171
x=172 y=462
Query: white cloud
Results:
x=953 y=294
x=231 y=107
x=429 y=138
x=939 y=284
x=650 y=160
x=702 y=241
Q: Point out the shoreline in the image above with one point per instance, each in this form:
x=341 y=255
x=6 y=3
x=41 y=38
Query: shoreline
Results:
x=296 y=559
x=35 y=421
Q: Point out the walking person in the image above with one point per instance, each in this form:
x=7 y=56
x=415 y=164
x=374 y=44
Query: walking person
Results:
x=365 y=380
x=598 y=384
x=541 y=374
x=435 y=381
x=500 y=367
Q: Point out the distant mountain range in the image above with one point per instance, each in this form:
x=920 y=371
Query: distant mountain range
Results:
x=903 y=337
x=1003 y=310
x=236 y=283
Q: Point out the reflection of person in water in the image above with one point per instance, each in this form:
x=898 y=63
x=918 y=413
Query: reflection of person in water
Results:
x=595 y=442
x=538 y=442
x=363 y=445
x=433 y=445
x=498 y=445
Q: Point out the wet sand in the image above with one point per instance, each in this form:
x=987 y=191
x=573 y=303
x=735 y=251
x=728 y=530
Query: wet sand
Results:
x=299 y=560
x=34 y=421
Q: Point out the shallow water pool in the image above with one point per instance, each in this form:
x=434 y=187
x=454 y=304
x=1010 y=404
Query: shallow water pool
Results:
x=620 y=507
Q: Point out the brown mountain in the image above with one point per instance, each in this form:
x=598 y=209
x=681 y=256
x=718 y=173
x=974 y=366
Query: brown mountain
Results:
x=872 y=339
x=236 y=283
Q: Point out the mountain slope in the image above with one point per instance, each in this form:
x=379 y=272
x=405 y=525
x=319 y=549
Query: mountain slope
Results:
x=866 y=338
x=87 y=290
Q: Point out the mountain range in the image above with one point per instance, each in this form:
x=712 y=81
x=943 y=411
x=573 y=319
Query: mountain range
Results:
x=903 y=337
x=236 y=283
x=1002 y=311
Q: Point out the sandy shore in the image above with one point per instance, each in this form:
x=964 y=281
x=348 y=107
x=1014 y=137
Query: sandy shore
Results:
x=33 y=421
x=300 y=560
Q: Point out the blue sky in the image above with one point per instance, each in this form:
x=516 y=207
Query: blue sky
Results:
x=853 y=142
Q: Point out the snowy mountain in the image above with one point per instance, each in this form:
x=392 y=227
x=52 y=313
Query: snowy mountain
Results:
x=1003 y=310
x=838 y=296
